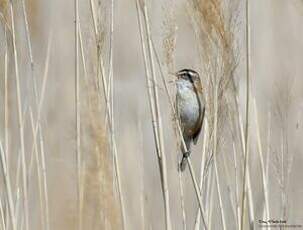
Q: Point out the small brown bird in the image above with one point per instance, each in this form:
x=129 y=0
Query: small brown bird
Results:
x=190 y=109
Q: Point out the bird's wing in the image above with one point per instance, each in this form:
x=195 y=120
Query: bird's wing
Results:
x=200 y=125
x=202 y=113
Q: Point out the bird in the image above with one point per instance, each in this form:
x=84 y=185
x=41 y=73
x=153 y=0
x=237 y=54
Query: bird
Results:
x=190 y=109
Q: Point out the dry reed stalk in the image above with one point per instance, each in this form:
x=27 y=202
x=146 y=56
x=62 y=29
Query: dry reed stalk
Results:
x=268 y=136
x=155 y=95
x=18 y=210
x=18 y=172
x=182 y=200
x=197 y=192
x=202 y=173
x=39 y=173
x=77 y=110
x=264 y=179
x=110 y=85
x=28 y=39
x=158 y=119
x=8 y=187
x=233 y=196
x=142 y=209
x=20 y=121
x=284 y=159
x=6 y=99
x=20 y=222
x=229 y=190
x=110 y=97
x=44 y=176
x=238 y=210
x=204 y=155
x=154 y=105
x=247 y=27
x=215 y=158
x=83 y=54
x=118 y=180
x=93 y=12
x=6 y=112
x=281 y=180
x=17 y=191
x=249 y=189
x=109 y=109
x=2 y=216
x=34 y=84
x=39 y=129
x=268 y=144
x=242 y=142
x=211 y=203
x=114 y=148
x=150 y=98
x=82 y=178
x=208 y=188
x=82 y=193
x=141 y=165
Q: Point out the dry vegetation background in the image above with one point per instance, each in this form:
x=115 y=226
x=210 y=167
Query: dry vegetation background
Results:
x=77 y=144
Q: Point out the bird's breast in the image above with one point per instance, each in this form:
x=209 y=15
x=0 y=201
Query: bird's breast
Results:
x=188 y=108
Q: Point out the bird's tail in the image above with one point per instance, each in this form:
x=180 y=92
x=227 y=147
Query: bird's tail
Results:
x=183 y=162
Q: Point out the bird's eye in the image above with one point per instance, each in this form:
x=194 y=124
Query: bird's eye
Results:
x=185 y=76
x=188 y=75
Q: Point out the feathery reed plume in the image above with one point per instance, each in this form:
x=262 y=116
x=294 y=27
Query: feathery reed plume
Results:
x=169 y=35
x=99 y=204
x=106 y=83
x=101 y=96
x=283 y=157
x=214 y=23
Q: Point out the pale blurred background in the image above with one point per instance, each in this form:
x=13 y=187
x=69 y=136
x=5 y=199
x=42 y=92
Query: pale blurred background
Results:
x=276 y=65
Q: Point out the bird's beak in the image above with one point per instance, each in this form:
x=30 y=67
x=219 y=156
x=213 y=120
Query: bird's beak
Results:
x=173 y=80
x=174 y=74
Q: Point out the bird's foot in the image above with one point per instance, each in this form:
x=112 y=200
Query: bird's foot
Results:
x=186 y=154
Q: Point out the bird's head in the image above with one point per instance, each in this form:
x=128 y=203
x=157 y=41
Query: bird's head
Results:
x=188 y=75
